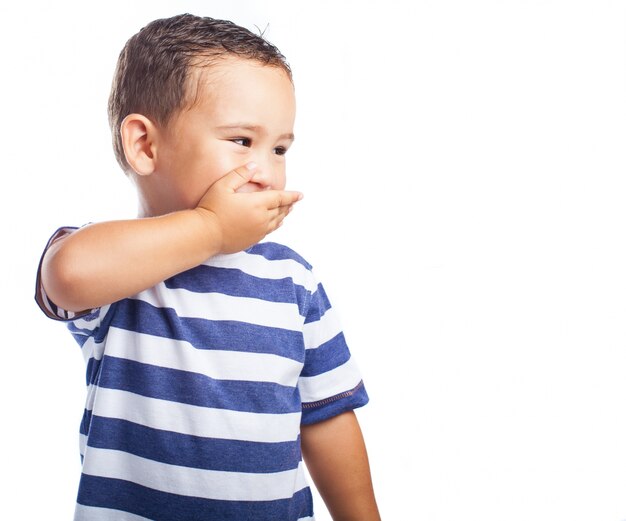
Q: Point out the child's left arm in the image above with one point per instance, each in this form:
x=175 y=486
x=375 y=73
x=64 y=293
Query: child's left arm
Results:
x=334 y=452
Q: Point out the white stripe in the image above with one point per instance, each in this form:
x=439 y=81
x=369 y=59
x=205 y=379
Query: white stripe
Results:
x=84 y=513
x=216 y=306
x=93 y=349
x=92 y=390
x=306 y=519
x=218 y=364
x=187 y=481
x=321 y=331
x=88 y=350
x=259 y=266
x=341 y=379
x=194 y=420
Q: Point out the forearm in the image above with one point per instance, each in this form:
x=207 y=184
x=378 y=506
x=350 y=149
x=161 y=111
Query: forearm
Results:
x=105 y=262
x=335 y=454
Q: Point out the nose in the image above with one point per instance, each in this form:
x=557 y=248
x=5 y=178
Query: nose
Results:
x=261 y=179
x=266 y=175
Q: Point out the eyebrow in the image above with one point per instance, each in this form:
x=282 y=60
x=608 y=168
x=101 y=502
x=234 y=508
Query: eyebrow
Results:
x=254 y=128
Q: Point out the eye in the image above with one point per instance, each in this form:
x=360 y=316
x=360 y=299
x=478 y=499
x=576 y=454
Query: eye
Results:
x=280 y=151
x=242 y=141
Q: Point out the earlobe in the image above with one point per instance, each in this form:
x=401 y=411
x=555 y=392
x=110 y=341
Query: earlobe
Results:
x=138 y=134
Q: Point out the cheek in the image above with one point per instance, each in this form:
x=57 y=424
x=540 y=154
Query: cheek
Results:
x=228 y=157
x=214 y=167
x=281 y=178
x=200 y=176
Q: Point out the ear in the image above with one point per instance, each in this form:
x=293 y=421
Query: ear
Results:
x=138 y=138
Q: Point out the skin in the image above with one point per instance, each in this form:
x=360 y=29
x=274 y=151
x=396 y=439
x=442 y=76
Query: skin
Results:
x=247 y=114
x=335 y=455
x=195 y=198
x=212 y=181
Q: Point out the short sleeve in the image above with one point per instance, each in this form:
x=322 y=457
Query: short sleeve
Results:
x=330 y=382
x=82 y=324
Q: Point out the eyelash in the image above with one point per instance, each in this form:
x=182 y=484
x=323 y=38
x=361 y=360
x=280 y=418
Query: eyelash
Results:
x=247 y=142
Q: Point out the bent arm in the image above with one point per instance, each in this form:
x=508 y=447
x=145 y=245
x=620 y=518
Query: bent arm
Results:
x=335 y=454
x=103 y=263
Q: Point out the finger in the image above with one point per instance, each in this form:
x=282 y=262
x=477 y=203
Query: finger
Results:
x=279 y=199
x=238 y=177
x=279 y=215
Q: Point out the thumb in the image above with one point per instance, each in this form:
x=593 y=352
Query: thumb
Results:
x=238 y=177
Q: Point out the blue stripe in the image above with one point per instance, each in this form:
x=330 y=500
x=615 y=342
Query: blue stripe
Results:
x=97 y=329
x=93 y=369
x=197 y=389
x=139 y=316
x=162 y=506
x=318 y=305
x=275 y=251
x=313 y=412
x=326 y=357
x=85 y=422
x=193 y=451
x=78 y=332
x=236 y=283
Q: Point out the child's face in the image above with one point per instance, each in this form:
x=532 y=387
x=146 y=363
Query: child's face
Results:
x=244 y=111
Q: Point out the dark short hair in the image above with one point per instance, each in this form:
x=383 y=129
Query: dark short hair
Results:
x=151 y=77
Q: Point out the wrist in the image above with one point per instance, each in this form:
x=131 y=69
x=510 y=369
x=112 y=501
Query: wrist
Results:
x=210 y=231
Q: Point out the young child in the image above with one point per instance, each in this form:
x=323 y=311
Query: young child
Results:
x=214 y=363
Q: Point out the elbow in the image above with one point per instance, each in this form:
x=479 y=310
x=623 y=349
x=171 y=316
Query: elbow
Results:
x=62 y=278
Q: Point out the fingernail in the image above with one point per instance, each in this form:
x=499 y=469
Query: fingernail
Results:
x=251 y=166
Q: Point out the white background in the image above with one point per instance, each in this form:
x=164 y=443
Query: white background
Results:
x=463 y=170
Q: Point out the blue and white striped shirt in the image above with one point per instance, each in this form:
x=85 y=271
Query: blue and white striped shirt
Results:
x=197 y=387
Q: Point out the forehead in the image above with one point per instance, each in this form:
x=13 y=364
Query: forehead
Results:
x=239 y=86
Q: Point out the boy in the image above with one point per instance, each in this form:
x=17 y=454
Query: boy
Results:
x=214 y=363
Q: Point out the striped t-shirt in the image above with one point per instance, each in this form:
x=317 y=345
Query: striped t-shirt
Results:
x=197 y=387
